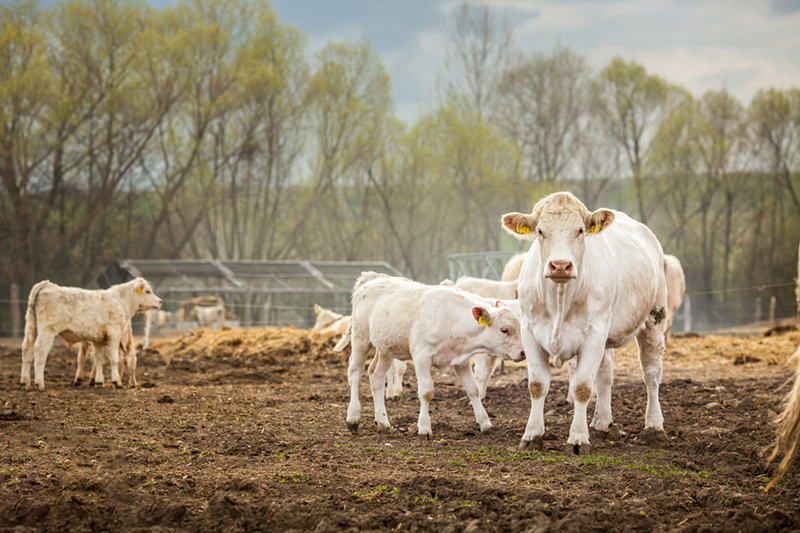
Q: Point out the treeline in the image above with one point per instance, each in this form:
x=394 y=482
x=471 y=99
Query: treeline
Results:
x=205 y=130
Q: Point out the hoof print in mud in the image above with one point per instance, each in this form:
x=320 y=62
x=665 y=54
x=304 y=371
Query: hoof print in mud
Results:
x=536 y=444
x=577 y=449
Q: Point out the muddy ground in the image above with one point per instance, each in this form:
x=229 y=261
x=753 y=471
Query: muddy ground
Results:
x=244 y=431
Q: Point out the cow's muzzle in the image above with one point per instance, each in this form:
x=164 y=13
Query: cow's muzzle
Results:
x=518 y=357
x=560 y=271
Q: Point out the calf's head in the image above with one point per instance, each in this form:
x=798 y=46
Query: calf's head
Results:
x=560 y=223
x=502 y=331
x=324 y=318
x=144 y=297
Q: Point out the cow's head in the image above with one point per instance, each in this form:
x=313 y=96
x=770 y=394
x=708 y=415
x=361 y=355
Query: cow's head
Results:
x=144 y=297
x=560 y=223
x=502 y=329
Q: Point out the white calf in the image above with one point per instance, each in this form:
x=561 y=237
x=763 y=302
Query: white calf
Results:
x=127 y=351
x=589 y=283
x=435 y=326
x=209 y=316
x=512 y=268
x=76 y=315
x=332 y=322
x=676 y=287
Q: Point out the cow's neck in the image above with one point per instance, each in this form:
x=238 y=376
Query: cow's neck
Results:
x=561 y=297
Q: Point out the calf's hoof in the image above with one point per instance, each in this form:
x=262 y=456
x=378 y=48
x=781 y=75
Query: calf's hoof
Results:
x=534 y=444
x=487 y=429
x=426 y=436
x=652 y=436
x=577 y=449
x=353 y=427
x=77 y=382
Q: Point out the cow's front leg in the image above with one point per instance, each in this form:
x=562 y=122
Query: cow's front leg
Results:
x=538 y=386
x=601 y=420
x=467 y=379
x=422 y=367
x=113 y=358
x=377 y=380
x=581 y=383
x=355 y=368
x=485 y=365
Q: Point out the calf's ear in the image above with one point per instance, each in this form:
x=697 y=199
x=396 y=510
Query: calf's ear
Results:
x=599 y=220
x=317 y=309
x=481 y=315
x=520 y=226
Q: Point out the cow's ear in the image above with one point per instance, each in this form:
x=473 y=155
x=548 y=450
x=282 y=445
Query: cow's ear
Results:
x=519 y=225
x=317 y=309
x=599 y=220
x=481 y=315
x=140 y=288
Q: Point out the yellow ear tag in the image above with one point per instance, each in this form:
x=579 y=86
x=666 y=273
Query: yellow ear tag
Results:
x=139 y=290
x=482 y=320
x=522 y=228
x=594 y=229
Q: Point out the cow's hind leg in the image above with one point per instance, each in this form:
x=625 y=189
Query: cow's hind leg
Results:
x=27 y=359
x=651 y=349
x=394 y=381
x=41 y=349
x=485 y=365
x=83 y=348
x=355 y=368
x=377 y=379
x=467 y=379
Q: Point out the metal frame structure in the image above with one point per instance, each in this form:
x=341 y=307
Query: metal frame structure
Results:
x=487 y=265
x=256 y=293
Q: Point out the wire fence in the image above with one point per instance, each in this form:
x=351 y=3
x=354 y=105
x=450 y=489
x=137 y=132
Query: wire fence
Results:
x=702 y=312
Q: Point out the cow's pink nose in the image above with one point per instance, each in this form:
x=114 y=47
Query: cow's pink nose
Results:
x=560 y=267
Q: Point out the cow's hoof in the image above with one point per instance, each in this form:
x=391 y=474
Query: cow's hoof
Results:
x=426 y=436
x=384 y=429
x=577 y=449
x=116 y=385
x=77 y=382
x=353 y=427
x=487 y=429
x=536 y=444
x=93 y=383
x=40 y=387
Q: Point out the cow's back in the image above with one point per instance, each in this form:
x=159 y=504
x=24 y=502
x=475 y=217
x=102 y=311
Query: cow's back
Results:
x=68 y=310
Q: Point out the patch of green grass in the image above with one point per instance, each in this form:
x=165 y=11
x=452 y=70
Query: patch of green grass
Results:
x=97 y=422
x=12 y=480
x=376 y=488
x=10 y=470
x=207 y=454
x=427 y=498
x=290 y=451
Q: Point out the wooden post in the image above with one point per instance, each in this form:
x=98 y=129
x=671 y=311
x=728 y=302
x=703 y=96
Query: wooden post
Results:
x=772 y=302
x=16 y=318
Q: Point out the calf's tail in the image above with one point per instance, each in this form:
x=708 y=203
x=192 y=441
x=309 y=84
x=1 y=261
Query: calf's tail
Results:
x=345 y=340
x=30 y=315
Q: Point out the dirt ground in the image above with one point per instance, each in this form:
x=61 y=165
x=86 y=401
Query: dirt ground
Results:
x=244 y=430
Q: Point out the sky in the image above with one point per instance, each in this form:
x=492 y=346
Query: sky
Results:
x=739 y=45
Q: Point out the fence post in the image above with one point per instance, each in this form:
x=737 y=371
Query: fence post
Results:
x=16 y=319
x=758 y=309
x=687 y=314
x=772 y=309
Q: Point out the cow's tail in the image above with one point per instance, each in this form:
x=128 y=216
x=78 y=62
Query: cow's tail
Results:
x=788 y=421
x=345 y=340
x=31 y=330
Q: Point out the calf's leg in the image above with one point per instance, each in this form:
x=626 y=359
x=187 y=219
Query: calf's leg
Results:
x=358 y=355
x=377 y=378
x=467 y=379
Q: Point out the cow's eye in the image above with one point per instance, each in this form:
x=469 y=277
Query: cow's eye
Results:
x=540 y=232
x=504 y=330
x=580 y=231
x=148 y=292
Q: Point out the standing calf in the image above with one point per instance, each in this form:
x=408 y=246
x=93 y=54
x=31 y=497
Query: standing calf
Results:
x=76 y=315
x=433 y=326
x=127 y=350
x=209 y=316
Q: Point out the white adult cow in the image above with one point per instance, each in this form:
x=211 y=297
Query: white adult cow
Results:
x=331 y=322
x=589 y=283
x=485 y=363
x=676 y=287
x=433 y=326
x=76 y=315
x=512 y=268
x=209 y=315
